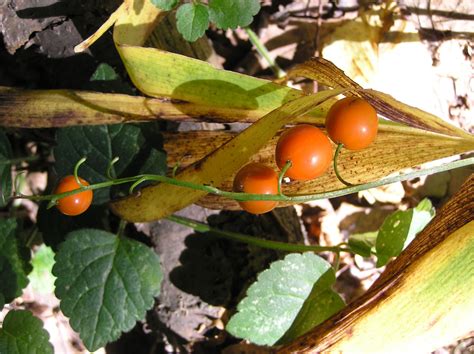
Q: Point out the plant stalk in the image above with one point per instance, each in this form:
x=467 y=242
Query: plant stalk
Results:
x=238 y=196
x=253 y=240
x=262 y=50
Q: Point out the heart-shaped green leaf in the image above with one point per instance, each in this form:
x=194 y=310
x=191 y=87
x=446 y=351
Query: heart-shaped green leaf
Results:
x=192 y=20
x=105 y=283
x=286 y=300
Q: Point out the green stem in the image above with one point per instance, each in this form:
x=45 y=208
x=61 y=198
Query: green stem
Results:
x=39 y=198
x=262 y=50
x=282 y=175
x=110 y=172
x=19 y=160
x=247 y=197
x=121 y=227
x=76 y=169
x=336 y=171
x=253 y=240
x=175 y=169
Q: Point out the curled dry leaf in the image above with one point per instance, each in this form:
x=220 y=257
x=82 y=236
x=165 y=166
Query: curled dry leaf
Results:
x=328 y=74
x=60 y=108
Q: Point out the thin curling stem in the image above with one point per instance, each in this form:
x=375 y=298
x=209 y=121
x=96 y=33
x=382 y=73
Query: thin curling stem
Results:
x=282 y=175
x=110 y=168
x=76 y=170
x=238 y=196
x=336 y=154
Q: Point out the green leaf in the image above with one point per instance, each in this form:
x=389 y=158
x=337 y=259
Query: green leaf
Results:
x=154 y=163
x=392 y=236
x=422 y=215
x=106 y=79
x=363 y=244
x=105 y=284
x=192 y=20
x=233 y=13
x=5 y=169
x=100 y=144
x=41 y=277
x=322 y=303
x=399 y=229
x=294 y=292
x=8 y=285
x=12 y=268
x=425 y=206
x=165 y=5
x=23 y=333
x=104 y=72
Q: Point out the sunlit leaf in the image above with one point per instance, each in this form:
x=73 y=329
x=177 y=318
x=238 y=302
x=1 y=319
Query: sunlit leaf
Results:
x=41 y=277
x=399 y=229
x=288 y=299
x=420 y=301
x=192 y=20
x=197 y=82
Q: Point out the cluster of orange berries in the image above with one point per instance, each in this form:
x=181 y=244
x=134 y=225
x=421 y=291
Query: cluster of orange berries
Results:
x=350 y=121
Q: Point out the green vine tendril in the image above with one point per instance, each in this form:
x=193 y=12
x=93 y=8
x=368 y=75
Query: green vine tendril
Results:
x=239 y=196
x=336 y=171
